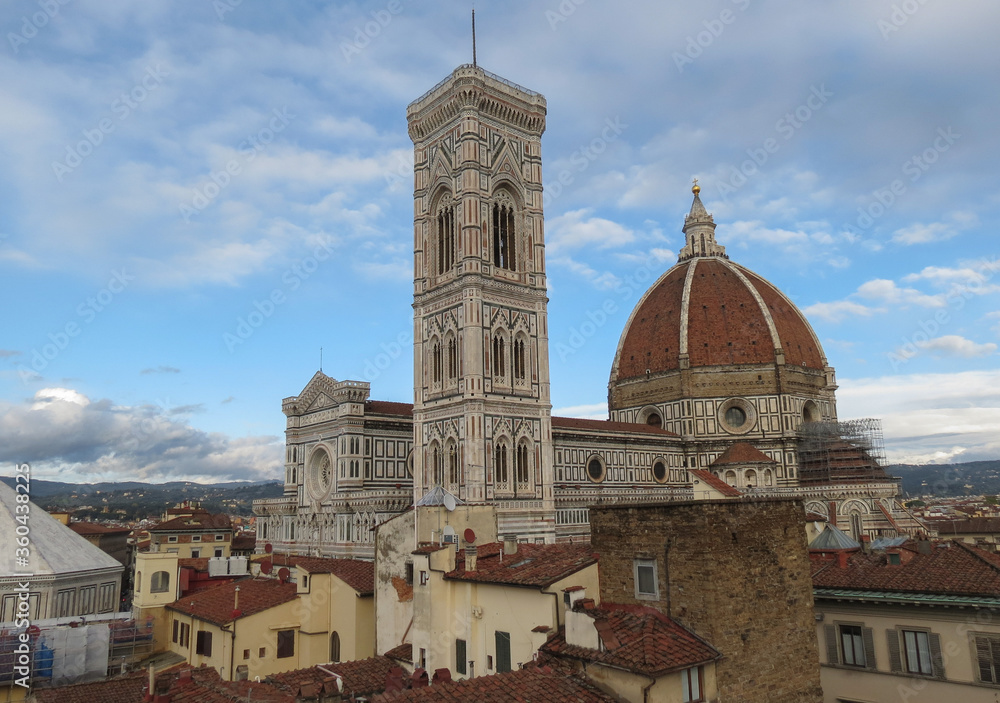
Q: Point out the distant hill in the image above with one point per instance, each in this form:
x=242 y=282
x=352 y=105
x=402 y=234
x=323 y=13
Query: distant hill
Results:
x=944 y=480
x=136 y=500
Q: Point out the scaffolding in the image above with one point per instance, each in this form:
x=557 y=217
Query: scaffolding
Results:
x=850 y=451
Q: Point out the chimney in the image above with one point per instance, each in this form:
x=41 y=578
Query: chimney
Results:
x=185 y=677
x=866 y=544
x=842 y=560
x=924 y=546
x=510 y=545
x=151 y=684
x=471 y=552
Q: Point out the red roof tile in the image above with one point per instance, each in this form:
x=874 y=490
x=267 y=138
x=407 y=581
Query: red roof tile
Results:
x=358 y=574
x=531 y=684
x=716 y=483
x=537 y=565
x=638 y=639
x=244 y=541
x=124 y=689
x=951 y=568
x=194 y=523
x=578 y=423
x=216 y=604
x=743 y=453
x=199 y=564
x=360 y=678
x=385 y=407
x=973 y=525
x=403 y=652
x=92 y=528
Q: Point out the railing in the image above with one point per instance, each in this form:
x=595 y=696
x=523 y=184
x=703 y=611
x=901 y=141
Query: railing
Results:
x=488 y=74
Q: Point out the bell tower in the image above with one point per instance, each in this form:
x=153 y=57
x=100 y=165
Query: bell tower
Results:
x=482 y=412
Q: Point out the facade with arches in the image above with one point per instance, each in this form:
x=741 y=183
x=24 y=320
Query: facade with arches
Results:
x=712 y=357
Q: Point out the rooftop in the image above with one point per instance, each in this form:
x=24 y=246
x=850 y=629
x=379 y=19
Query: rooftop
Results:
x=535 y=684
x=360 y=678
x=194 y=523
x=577 y=423
x=743 y=453
x=951 y=568
x=536 y=565
x=216 y=605
x=358 y=574
x=638 y=639
x=716 y=482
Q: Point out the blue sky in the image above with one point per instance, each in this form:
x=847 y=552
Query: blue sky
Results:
x=158 y=308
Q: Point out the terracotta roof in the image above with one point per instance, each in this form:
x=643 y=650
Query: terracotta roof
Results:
x=725 y=323
x=385 y=407
x=973 y=525
x=360 y=678
x=579 y=423
x=743 y=453
x=638 y=639
x=199 y=564
x=537 y=565
x=202 y=685
x=194 y=523
x=403 y=652
x=950 y=568
x=531 y=684
x=92 y=528
x=716 y=482
x=216 y=604
x=358 y=574
x=244 y=541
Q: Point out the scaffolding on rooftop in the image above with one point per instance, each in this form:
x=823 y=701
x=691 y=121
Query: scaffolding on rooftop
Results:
x=848 y=451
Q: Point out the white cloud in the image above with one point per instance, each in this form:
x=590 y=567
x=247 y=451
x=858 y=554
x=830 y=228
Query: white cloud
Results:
x=577 y=229
x=887 y=292
x=839 y=310
x=594 y=411
x=954 y=345
x=924 y=233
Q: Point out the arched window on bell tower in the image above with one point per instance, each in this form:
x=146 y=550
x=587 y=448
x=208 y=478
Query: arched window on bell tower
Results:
x=519 y=358
x=499 y=357
x=445 y=226
x=504 y=233
x=436 y=361
x=452 y=358
x=522 y=467
x=501 y=477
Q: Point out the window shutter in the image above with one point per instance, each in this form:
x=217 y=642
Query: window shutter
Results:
x=503 y=651
x=867 y=634
x=985 y=659
x=937 y=661
x=895 y=660
x=460 y=657
x=832 y=653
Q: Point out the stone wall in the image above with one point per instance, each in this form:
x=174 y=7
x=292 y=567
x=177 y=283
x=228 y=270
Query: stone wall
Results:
x=736 y=572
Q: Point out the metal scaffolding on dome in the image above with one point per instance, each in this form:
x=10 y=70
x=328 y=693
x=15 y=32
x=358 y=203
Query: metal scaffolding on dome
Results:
x=849 y=451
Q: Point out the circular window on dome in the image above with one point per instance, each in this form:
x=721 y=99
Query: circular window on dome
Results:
x=737 y=415
x=660 y=471
x=595 y=469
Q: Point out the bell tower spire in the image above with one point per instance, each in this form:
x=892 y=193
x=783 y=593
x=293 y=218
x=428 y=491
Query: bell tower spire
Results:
x=699 y=231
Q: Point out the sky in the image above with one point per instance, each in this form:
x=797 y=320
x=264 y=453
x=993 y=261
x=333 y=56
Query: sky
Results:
x=158 y=307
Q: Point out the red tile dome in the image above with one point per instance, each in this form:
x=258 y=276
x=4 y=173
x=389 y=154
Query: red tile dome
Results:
x=714 y=313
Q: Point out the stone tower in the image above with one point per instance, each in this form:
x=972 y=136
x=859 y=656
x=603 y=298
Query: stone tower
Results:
x=482 y=425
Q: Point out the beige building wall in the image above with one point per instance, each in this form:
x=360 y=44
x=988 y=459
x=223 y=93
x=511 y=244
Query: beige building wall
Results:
x=956 y=629
x=665 y=689
x=328 y=605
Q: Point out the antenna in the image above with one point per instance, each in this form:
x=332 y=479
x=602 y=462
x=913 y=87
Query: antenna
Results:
x=321 y=358
x=474 y=35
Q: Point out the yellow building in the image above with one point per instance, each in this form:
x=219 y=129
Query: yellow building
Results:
x=193 y=536
x=488 y=609
x=913 y=623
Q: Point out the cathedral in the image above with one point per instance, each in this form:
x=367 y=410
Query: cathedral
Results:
x=719 y=383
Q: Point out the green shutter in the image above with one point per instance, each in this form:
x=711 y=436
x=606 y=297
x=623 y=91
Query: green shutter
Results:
x=460 y=657
x=937 y=661
x=868 y=637
x=895 y=660
x=503 y=651
x=832 y=652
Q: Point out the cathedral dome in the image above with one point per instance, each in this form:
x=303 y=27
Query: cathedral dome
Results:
x=710 y=312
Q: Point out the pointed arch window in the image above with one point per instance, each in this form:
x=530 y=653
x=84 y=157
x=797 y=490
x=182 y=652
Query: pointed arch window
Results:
x=501 y=477
x=519 y=360
x=445 y=236
x=522 y=467
x=453 y=473
x=504 y=235
x=452 y=359
x=436 y=361
x=499 y=356
x=436 y=466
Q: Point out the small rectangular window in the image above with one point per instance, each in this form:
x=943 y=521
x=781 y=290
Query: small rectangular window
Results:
x=460 y=667
x=195 y=553
x=286 y=644
x=203 y=643
x=503 y=651
x=172 y=538
x=196 y=538
x=262 y=652
x=176 y=628
x=691 y=685
x=409 y=572
x=852 y=645
x=246 y=653
x=423 y=578
x=918 y=652
x=646 y=585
